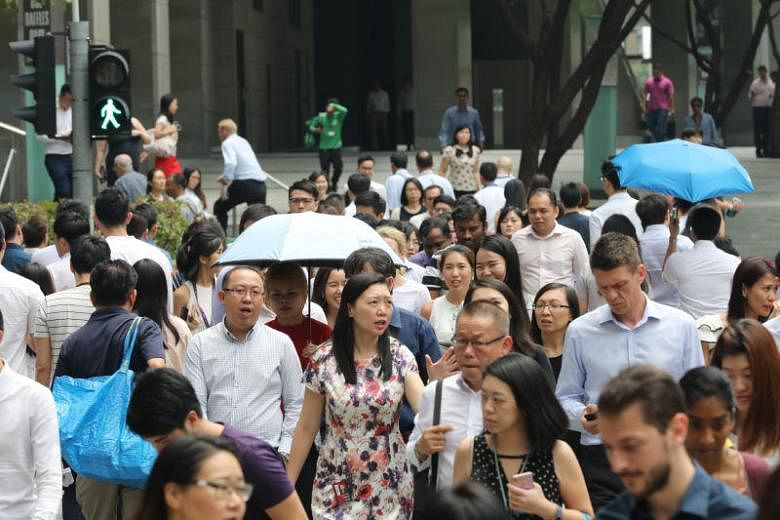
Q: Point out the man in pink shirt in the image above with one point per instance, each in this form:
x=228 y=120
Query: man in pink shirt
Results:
x=761 y=94
x=658 y=103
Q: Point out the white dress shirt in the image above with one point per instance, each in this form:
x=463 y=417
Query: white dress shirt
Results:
x=702 y=276
x=131 y=250
x=428 y=178
x=394 y=185
x=19 y=302
x=61 y=274
x=411 y=296
x=598 y=347
x=64 y=127
x=461 y=408
x=47 y=255
x=618 y=203
x=491 y=196
x=246 y=383
x=559 y=257
x=501 y=180
x=419 y=219
x=240 y=160
x=30 y=467
x=653 y=245
x=774 y=327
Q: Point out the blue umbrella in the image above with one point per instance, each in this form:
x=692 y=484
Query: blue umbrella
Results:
x=311 y=239
x=686 y=170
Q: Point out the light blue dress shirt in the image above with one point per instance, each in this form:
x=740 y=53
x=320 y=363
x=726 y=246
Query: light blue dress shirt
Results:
x=394 y=185
x=598 y=347
x=453 y=118
x=709 y=132
x=240 y=160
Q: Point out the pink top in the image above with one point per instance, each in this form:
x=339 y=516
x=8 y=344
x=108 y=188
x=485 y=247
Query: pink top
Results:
x=660 y=92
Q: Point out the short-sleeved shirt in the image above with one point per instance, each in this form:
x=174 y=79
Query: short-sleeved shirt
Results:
x=97 y=348
x=299 y=334
x=660 y=91
x=263 y=469
x=463 y=167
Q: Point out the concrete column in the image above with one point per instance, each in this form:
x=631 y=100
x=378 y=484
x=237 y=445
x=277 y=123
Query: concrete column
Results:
x=741 y=17
x=99 y=15
x=441 y=62
x=677 y=64
x=161 y=49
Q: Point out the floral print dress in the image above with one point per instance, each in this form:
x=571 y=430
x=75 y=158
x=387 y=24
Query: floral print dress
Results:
x=463 y=168
x=362 y=454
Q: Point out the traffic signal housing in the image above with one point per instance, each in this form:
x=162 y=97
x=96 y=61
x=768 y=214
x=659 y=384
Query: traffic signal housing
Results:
x=109 y=91
x=41 y=82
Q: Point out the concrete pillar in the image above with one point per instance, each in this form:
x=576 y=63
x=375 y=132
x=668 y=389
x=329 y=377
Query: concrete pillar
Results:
x=678 y=65
x=161 y=49
x=741 y=18
x=441 y=62
x=99 y=16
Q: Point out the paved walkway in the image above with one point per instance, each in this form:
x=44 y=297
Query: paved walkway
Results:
x=753 y=230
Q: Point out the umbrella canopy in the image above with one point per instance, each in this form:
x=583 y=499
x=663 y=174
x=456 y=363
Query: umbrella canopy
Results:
x=689 y=171
x=312 y=239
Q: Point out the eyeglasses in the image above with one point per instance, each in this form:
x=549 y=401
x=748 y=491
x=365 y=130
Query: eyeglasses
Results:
x=243 y=291
x=223 y=491
x=463 y=342
x=302 y=200
x=552 y=306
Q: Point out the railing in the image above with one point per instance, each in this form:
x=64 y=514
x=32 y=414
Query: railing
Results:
x=11 y=153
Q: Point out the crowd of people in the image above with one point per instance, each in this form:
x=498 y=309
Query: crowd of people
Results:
x=530 y=357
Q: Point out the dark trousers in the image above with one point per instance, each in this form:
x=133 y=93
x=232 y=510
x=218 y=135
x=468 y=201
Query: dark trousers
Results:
x=239 y=192
x=656 y=123
x=407 y=127
x=328 y=157
x=603 y=485
x=761 y=129
x=60 y=168
x=71 y=510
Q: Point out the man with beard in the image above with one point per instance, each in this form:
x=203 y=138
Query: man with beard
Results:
x=643 y=426
x=470 y=221
x=629 y=330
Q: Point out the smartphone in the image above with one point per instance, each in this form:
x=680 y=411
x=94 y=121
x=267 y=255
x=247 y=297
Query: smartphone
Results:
x=524 y=480
x=591 y=416
x=674 y=214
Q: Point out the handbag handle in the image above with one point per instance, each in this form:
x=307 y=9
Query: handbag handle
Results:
x=434 y=472
x=129 y=345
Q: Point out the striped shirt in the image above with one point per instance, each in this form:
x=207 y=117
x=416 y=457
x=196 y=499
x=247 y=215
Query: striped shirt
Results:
x=62 y=313
x=254 y=385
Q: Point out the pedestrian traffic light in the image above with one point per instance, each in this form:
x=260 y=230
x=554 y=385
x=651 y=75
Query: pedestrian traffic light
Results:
x=41 y=82
x=109 y=91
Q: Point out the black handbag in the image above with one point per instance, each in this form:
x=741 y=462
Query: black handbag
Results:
x=425 y=481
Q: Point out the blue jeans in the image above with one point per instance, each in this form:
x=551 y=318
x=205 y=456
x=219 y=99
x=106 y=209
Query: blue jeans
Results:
x=60 y=168
x=656 y=123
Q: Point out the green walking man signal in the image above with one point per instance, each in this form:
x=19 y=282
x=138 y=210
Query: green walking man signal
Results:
x=108 y=113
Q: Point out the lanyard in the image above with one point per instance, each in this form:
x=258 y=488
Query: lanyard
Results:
x=500 y=472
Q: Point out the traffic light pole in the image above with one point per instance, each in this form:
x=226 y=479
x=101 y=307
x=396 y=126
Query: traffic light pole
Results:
x=82 y=143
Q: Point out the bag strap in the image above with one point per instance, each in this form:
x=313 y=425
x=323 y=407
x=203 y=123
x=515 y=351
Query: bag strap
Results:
x=129 y=345
x=434 y=473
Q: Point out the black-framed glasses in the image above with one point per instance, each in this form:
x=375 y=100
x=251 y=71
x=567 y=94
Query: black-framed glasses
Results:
x=222 y=491
x=463 y=342
x=552 y=306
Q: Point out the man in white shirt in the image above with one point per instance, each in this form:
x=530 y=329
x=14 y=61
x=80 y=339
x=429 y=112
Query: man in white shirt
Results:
x=491 y=195
x=176 y=187
x=31 y=472
x=68 y=227
x=619 y=202
x=49 y=254
x=395 y=183
x=112 y=214
x=59 y=150
x=703 y=274
x=378 y=110
x=243 y=176
x=245 y=373
x=365 y=165
x=653 y=211
x=548 y=251
x=426 y=176
x=761 y=95
x=19 y=301
x=430 y=194
x=461 y=400
x=504 y=166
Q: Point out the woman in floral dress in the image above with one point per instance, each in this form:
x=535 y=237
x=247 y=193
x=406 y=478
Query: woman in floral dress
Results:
x=461 y=158
x=358 y=381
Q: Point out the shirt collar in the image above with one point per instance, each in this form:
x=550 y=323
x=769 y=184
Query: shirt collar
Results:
x=557 y=230
x=229 y=335
x=461 y=382
x=656 y=229
x=694 y=502
x=652 y=310
x=395 y=319
x=620 y=195
x=704 y=244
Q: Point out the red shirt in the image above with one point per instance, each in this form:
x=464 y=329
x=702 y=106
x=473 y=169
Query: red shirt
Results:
x=299 y=334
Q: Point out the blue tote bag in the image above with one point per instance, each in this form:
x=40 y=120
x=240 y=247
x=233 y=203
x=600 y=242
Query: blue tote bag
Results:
x=94 y=436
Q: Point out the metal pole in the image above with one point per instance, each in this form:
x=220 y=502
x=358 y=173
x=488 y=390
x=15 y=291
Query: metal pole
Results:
x=81 y=140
